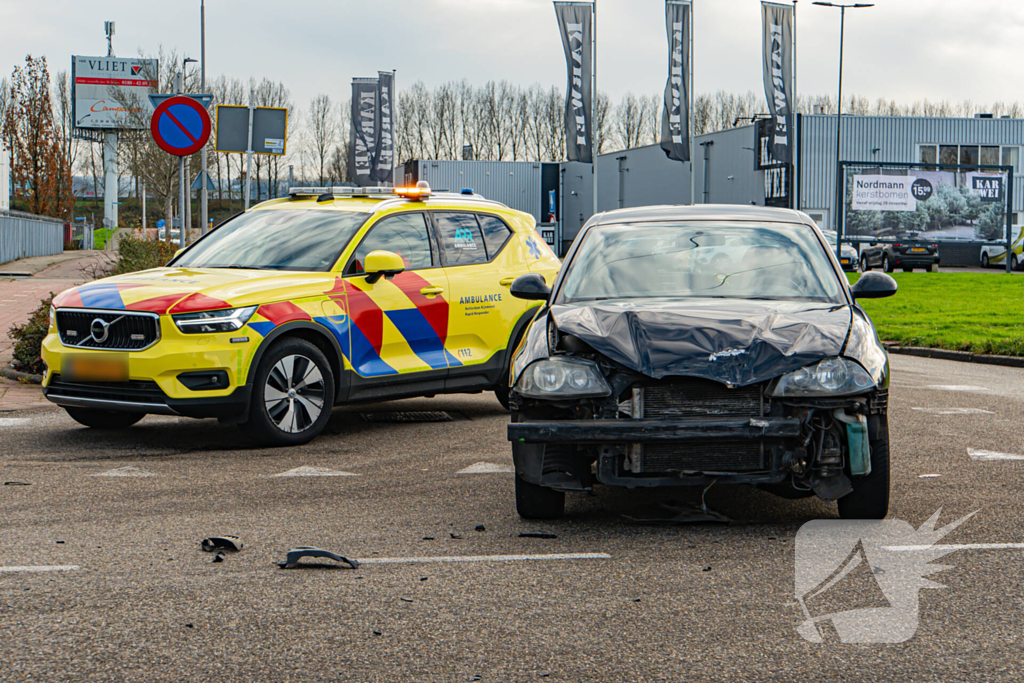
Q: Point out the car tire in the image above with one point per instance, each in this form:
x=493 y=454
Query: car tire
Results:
x=1013 y=262
x=292 y=394
x=104 y=419
x=502 y=388
x=886 y=263
x=538 y=502
x=933 y=268
x=865 y=265
x=984 y=260
x=870 y=496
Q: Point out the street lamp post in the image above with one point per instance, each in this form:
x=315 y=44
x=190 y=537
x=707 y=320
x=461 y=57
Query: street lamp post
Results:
x=839 y=116
x=203 y=194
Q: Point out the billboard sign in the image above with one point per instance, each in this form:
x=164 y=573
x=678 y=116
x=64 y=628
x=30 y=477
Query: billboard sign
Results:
x=966 y=204
x=269 y=129
x=110 y=92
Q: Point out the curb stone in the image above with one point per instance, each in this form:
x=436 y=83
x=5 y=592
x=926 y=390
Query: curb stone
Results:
x=11 y=373
x=961 y=356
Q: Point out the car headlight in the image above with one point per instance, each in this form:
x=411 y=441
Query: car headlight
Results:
x=830 y=377
x=562 y=378
x=205 y=322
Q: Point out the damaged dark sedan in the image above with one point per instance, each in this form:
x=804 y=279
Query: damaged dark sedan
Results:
x=658 y=363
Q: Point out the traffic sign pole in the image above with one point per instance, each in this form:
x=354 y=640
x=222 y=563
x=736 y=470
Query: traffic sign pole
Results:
x=178 y=82
x=248 y=155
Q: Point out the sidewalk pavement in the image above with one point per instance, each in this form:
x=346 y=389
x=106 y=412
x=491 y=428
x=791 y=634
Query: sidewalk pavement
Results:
x=20 y=296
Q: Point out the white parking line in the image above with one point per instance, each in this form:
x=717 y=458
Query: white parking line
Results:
x=977 y=454
x=956 y=387
x=42 y=568
x=954 y=411
x=307 y=471
x=486 y=558
x=14 y=421
x=126 y=471
x=951 y=548
x=487 y=468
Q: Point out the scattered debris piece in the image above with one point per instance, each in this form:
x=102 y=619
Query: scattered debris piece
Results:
x=377 y=633
x=230 y=543
x=405 y=599
x=636 y=599
x=219 y=557
x=691 y=546
x=428 y=538
x=706 y=569
x=687 y=513
x=17 y=483
x=60 y=542
x=476 y=678
x=188 y=626
x=457 y=537
x=536 y=534
x=479 y=527
x=424 y=578
x=295 y=554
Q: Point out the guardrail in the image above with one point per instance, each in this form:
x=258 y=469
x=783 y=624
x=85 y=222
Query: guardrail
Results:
x=25 y=234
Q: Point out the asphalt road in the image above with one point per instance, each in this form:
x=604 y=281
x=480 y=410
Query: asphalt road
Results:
x=704 y=602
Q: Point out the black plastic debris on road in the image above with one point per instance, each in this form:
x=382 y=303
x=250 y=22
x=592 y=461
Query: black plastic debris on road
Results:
x=479 y=527
x=17 y=483
x=296 y=554
x=408 y=416
x=214 y=543
x=536 y=534
x=219 y=557
x=428 y=538
x=457 y=537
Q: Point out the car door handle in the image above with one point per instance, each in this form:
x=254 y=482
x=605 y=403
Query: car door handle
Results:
x=507 y=281
x=431 y=291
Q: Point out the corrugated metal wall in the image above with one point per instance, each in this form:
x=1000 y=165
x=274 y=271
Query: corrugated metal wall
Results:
x=513 y=183
x=889 y=139
x=23 y=235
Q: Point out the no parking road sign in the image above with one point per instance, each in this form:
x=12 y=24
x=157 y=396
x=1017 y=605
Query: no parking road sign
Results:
x=180 y=126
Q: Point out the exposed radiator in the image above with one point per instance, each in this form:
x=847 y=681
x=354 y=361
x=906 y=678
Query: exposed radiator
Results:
x=699 y=398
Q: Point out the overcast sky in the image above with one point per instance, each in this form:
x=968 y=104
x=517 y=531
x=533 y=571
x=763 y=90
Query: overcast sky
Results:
x=903 y=49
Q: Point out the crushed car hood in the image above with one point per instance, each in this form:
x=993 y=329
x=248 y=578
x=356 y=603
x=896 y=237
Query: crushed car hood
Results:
x=734 y=341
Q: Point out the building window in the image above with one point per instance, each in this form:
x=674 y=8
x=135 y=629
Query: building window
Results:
x=970 y=155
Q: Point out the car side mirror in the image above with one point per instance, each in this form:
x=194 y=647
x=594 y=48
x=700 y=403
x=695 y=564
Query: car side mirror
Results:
x=874 y=286
x=382 y=263
x=530 y=287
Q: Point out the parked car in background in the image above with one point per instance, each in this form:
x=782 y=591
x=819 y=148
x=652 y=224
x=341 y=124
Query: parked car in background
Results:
x=848 y=258
x=995 y=254
x=907 y=253
x=649 y=367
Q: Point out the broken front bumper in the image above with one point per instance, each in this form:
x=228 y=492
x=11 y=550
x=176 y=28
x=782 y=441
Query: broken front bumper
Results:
x=652 y=452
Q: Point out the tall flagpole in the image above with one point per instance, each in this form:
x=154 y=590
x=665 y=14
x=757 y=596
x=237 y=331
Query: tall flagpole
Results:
x=794 y=189
x=593 y=102
x=689 y=115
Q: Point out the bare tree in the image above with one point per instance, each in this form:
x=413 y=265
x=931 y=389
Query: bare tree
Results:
x=321 y=132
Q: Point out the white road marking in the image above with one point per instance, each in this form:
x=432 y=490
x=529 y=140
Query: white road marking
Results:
x=487 y=468
x=956 y=387
x=951 y=548
x=486 y=558
x=307 y=471
x=928 y=476
x=126 y=471
x=954 y=411
x=42 y=568
x=977 y=454
x=14 y=421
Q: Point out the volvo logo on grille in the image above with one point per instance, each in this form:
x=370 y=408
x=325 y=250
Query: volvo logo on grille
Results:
x=100 y=329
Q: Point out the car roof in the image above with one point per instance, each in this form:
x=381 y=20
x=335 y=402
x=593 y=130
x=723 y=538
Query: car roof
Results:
x=702 y=212
x=380 y=202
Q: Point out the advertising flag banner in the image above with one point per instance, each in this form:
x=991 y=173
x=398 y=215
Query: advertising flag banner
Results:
x=777 y=31
x=575 y=25
x=363 y=131
x=675 y=118
x=384 y=152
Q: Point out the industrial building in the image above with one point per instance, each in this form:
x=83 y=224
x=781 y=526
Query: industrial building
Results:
x=729 y=168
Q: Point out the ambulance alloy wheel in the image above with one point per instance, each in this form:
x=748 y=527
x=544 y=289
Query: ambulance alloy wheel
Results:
x=292 y=395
